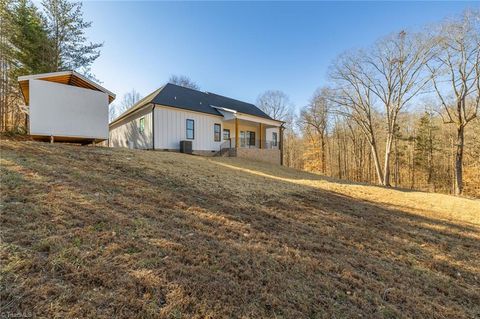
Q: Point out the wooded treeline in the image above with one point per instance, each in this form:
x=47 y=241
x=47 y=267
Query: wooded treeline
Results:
x=34 y=41
x=423 y=154
x=402 y=112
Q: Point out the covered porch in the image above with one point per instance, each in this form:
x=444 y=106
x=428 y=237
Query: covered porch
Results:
x=247 y=131
x=251 y=137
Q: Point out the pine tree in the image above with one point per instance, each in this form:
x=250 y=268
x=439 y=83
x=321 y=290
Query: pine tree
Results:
x=425 y=145
x=24 y=48
x=30 y=40
x=6 y=64
x=66 y=30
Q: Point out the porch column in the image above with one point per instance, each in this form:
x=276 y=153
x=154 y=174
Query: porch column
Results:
x=236 y=133
x=261 y=135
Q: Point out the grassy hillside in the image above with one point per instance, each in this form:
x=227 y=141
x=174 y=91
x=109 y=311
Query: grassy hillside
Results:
x=97 y=232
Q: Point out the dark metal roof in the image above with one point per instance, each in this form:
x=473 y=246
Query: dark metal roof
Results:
x=193 y=100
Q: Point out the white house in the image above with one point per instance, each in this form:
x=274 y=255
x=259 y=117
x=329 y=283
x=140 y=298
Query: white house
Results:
x=213 y=123
x=66 y=106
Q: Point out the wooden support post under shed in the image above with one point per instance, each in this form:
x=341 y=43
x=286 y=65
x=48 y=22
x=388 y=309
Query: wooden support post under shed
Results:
x=236 y=133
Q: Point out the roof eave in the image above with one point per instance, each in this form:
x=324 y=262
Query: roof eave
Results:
x=130 y=112
x=63 y=73
x=149 y=99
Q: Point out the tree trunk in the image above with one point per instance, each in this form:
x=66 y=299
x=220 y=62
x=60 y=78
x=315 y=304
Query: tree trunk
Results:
x=412 y=169
x=339 y=157
x=430 y=159
x=388 y=149
x=345 y=157
x=459 y=161
x=369 y=172
x=376 y=161
x=324 y=161
x=397 y=164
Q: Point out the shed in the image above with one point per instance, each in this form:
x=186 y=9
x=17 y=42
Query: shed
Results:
x=66 y=106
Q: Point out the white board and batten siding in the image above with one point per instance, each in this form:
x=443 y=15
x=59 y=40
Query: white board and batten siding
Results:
x=170 y=129
x=127 y=132
x=69 y=111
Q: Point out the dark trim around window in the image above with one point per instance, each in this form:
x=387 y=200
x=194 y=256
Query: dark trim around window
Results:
x=217 y=132
x=190 y=131
x=251 y=138
x=141 y=125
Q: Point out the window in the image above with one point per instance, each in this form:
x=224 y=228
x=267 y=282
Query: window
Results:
x=274 y=139
x=242 y=138
x=247 y=138
x=226 y=134
x=190 y=129
x=217 y=128
x=141 y=127
x=251 y=138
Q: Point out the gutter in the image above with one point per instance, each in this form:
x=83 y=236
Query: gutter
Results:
x=153 y=126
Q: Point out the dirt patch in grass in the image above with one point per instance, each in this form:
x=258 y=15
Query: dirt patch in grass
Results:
x=97 y=232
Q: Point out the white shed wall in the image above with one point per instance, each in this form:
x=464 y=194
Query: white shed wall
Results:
x=64 y=110
x=170 y=129
x=126 y=133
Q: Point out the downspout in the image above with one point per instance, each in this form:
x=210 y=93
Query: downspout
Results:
x=281 y=143
x=153 y=126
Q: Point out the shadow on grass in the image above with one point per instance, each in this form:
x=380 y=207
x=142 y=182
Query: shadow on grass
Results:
x=294 y=174
x=134 y=237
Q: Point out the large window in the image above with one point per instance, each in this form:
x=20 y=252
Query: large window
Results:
x=274 y=139
x=141 y=126
x=217 y=129
x=251 y=138
x=247 y=138
x=242 y=138
x=226 y=134
x=190 y=129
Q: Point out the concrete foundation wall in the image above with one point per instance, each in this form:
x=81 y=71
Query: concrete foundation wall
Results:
x=262 y=155
x=201 y=153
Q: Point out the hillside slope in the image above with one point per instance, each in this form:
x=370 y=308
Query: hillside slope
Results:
x=97 y=232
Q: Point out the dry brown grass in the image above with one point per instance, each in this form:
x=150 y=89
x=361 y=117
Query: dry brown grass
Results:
x=96 y=232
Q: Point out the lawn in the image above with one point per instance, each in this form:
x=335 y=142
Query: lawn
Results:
x=114 y=233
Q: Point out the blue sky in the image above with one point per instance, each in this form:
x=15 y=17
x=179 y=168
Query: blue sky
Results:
x=240 y=49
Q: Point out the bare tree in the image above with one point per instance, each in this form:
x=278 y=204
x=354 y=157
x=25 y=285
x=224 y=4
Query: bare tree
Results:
x=385 y=78
x=315 y=115
x=112 y=112
x=129 y=99
x=352 y=98
x=456 y=79
x=184 y=81
x=372 y=89
x=399 y=70
x=276 y=104
x=292 y=144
